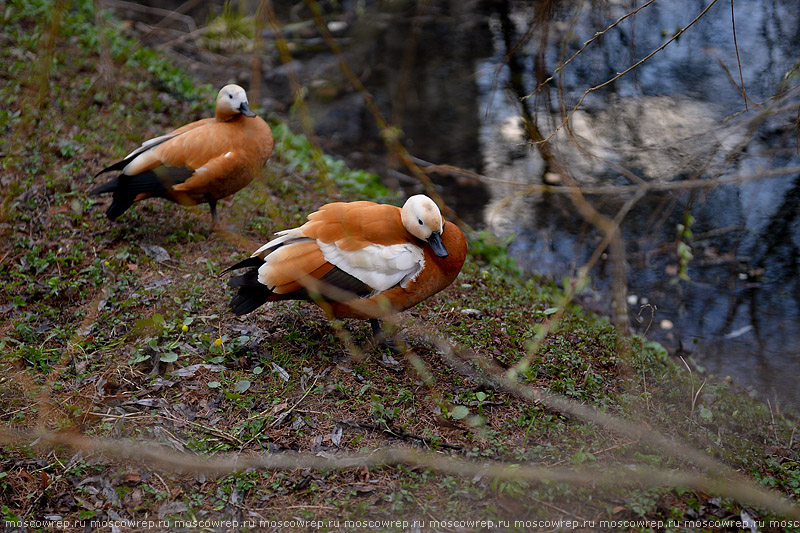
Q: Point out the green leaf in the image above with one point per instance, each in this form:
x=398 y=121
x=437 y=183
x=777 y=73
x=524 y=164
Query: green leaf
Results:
x=241 y=386
x=158 y=320
x=257 y=370
x=550 y=310
x=706 y=414
x=459 y=412
x=657 y=349
x=582 y=456
x=214 y=384
x=141 y=324
x=169 y=357
x=480 y=396
x=139 y=358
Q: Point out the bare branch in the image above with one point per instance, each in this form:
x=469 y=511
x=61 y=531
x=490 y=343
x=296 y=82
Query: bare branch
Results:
x=621 y=74
x=166 y=459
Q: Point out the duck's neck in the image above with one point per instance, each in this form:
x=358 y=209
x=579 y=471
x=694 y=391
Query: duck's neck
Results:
x=226 y=116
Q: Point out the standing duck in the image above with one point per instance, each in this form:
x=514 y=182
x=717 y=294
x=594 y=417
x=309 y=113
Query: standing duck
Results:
x=356 y=260
x=200 y=162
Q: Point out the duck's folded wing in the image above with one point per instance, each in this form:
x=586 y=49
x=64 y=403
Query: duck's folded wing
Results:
x=377 y=266
x=149 y=145
x=190 y=149
x=354 y=246
x=366 y=241
x=228 y=167
x=145 y=147
x=301 y=268
x=289 y=268
x=356 y=225
x=300 y=263
x=156 y=182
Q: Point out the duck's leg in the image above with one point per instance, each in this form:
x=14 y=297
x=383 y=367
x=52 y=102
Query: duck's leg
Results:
x=382 y=339
x=376 y=327
x=212 y=205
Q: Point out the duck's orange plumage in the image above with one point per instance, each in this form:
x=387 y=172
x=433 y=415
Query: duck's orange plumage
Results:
x=201 y=162
x=357 y=259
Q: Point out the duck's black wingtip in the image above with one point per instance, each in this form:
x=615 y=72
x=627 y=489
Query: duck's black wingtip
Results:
x=248 y=299
x=119 y=165
x=244 y=263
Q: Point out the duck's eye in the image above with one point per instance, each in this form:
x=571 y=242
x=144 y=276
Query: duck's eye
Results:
x=420 y=221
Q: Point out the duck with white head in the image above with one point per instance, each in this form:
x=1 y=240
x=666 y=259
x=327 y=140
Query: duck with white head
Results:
x=201 y=162
x=356 y=260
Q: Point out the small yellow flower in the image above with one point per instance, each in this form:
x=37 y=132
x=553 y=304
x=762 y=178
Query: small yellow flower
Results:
x=106 y=263
x=185 y=328
x=218 y=342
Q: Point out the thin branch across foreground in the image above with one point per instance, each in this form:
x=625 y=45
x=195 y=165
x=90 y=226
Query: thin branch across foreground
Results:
x=161 y=458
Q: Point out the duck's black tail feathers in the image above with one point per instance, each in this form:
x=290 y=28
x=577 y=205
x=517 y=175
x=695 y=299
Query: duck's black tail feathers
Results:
x=125 y=188
x=252 y=293
x=123 y=197
x=122 y=200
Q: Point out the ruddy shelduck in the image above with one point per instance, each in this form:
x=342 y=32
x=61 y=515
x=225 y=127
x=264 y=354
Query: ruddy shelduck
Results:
x=356 y=260
x=201 y=162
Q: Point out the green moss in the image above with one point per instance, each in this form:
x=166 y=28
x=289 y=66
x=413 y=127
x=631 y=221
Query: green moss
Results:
x=300 y=156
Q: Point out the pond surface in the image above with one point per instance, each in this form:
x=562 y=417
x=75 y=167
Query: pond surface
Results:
x=673 y=119
x=453 y=76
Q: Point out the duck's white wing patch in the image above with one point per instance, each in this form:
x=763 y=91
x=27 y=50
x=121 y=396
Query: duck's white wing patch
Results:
x=380 y=267
x=283 y=237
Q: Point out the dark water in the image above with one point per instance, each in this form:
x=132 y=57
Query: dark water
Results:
x=451 y=75
x=671 y=120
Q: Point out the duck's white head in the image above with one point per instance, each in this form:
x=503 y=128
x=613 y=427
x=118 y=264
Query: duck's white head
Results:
x=422 y=219
x=231 y=101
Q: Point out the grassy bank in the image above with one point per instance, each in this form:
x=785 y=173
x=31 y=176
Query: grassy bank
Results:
x=103 y=336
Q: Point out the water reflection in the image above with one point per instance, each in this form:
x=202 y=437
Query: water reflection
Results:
x=673 y=120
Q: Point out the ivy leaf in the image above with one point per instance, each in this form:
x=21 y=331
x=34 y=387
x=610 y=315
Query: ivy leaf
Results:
x=169 y=357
